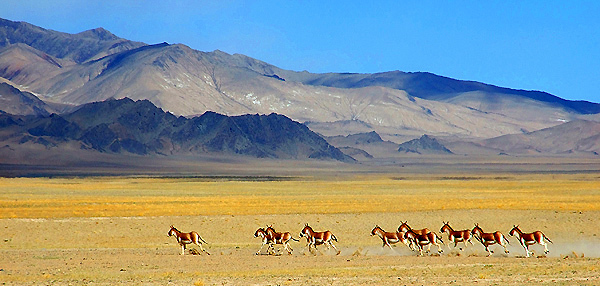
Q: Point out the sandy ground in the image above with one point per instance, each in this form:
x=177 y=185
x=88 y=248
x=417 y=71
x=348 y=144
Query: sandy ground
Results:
x=137 y=250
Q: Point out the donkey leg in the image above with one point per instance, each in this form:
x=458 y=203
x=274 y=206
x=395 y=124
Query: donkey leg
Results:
x=488 y=250
x=505 y=249
x=338 y=251
x=202 y=248
x=411 y=245
x=465 y=242
x=258 y=252
x=311 y=251
x=271 y=249
x=261 y=247
x=390 y=246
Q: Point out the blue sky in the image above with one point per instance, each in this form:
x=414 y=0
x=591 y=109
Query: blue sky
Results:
x=552 y=46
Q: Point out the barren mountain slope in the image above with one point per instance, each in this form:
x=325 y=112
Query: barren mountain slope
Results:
x=188 y=82
x=14 y=101
x=579 y=136
x=434 y=87
x=95 y=65
x=24 y=64
x=81 y=47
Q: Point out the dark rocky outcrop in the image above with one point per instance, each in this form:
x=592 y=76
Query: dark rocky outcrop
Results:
x=424 y=145
x=139 y=127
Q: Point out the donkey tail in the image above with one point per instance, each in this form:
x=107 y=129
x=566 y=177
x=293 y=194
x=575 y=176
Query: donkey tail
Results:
x=202 y=239
x=545 y=237
x=439 y=238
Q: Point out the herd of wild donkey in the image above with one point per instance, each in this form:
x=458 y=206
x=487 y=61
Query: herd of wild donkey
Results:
x=415 y=239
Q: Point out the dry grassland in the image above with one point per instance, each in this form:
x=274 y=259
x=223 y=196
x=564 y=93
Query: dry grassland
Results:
x=107 y=231
x=110 y=197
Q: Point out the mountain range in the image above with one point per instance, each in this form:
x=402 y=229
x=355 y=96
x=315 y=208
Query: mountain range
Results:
x=141 y=128
x=64 y=71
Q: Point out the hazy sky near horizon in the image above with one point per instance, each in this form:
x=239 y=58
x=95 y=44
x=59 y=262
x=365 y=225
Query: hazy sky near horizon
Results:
x=553 y=46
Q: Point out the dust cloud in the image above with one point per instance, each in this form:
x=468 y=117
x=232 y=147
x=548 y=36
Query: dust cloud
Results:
x=578 y=249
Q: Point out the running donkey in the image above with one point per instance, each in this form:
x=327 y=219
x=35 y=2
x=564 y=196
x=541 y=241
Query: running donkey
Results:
x=527 y=239
x=404 y=228
x=420 y=240
x=266 y=240
x=389 y=238
x=456 y=236
x=317 y=238
x=185 y=238
x=489 y=238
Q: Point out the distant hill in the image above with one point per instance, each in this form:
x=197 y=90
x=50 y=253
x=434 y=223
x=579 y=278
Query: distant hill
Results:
x=434 y=87
x=424 y=145
x=366 y=145
x=576 y=137
x=356 y=153
x=139 y=127
x=359 y=138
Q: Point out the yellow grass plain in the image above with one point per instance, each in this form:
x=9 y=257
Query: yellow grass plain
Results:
x=115 y=197
x=112 y=230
